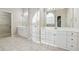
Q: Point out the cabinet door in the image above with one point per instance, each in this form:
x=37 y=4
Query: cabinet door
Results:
x=50 y=37
x=60 y=39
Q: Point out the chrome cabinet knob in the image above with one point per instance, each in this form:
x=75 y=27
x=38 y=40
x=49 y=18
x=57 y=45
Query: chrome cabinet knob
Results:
x=72 y=33
x=71 y=45
x=71 y=39
x=54 y=34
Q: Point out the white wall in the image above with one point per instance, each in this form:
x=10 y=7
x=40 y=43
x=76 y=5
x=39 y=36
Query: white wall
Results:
x=30 y=16
x=25 y=17
x=73 y=17
x=76 y=17
x=70 y=17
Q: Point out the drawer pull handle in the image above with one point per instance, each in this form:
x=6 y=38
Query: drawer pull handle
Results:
x=71 y=45
x=71 y=39
x=72 y=33
x=54 y=34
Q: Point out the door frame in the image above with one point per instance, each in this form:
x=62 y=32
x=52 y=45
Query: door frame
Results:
x=12 y=15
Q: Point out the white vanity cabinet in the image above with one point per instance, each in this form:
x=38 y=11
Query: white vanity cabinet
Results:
x=60 y=39
x=50 y=37
x=66 y=39
x=72 y=41
x=54 y=38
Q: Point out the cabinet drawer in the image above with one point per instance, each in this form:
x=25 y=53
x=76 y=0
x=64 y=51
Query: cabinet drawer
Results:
x=71 y=34
x=72 y=40
x=43 y=37
x=72 y=37
x=43 y=34
x=71 y=46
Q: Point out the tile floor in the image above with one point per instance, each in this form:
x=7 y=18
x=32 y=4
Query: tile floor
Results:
x=22 y=44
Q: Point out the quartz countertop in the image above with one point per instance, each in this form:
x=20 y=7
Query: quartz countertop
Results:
x=61 y=29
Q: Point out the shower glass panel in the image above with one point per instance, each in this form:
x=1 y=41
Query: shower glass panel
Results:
x=5 y=24
x=48 y=22
x=41 y=20
x=36 y=25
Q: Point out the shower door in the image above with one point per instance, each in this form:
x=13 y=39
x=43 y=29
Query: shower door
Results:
x=47 y=24
x=5 y=24
x=36 y=25
x=39 y=25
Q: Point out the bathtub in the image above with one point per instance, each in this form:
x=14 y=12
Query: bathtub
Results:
x=22 y=31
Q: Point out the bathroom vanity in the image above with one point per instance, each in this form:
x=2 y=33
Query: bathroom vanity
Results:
x=62 y=38
x=59 y=28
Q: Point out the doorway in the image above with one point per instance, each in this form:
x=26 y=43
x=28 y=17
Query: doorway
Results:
x=5 y=24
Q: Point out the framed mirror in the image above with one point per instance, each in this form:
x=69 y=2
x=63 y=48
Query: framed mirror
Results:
x=50 y=17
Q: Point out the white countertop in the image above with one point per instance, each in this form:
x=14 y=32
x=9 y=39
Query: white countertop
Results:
x=62 y=29
x=56 y=29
